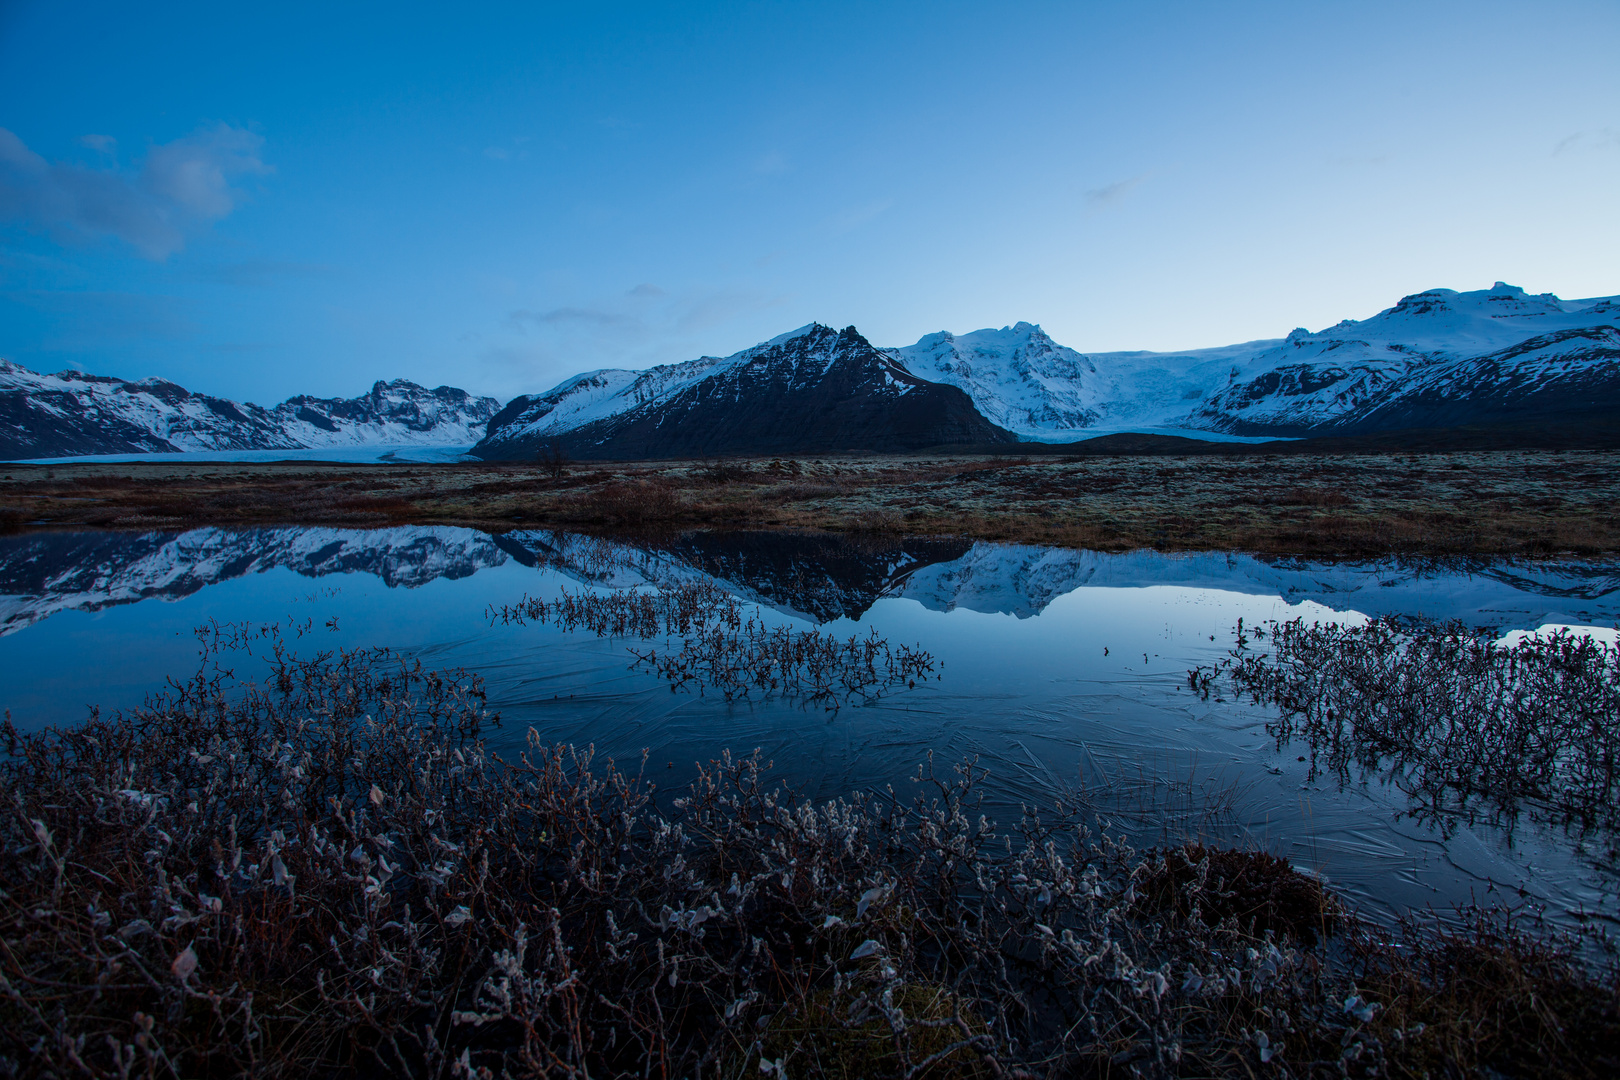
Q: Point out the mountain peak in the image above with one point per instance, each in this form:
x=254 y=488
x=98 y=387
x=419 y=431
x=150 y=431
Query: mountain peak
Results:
x=813 y=329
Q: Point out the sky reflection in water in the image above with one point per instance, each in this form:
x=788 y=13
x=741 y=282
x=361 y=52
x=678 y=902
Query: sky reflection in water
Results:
x=1058 y=668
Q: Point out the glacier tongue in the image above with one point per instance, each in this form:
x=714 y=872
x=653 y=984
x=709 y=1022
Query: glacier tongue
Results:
x=1439 y=357
x=1436 y=359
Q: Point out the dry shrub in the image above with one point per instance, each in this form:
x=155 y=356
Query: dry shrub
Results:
x=724 y=649
x=1313 y=496
x=625 y=502
x=805 y=492
x=875 y=522
x=1490 y=997
x=838 y=1033
x=328 y=873
x=722 y=471
x=1469 y=727
x=1264 y=893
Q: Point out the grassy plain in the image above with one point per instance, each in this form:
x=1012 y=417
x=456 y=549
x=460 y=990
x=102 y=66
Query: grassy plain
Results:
x=1514 y=502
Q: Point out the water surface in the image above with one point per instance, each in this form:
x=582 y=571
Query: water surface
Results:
x=1058 y=669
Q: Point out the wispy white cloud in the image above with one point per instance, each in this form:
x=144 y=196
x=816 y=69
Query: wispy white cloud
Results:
x=1601 y=139
x=180 y=186
x=643 y=325
x=1109 y=194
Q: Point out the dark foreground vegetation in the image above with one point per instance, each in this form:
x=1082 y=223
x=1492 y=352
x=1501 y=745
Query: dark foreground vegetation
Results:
x=1522 y=503
x=1466 y=725
x=326 y=873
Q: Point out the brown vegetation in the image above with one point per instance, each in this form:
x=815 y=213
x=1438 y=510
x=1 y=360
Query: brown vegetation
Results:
x=1520 y=503
x=329 y=874
x=1466 y=726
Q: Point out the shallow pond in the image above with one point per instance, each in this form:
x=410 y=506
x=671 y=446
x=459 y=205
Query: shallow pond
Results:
x=1060 y=670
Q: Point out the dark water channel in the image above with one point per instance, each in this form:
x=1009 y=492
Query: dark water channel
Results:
x=1059 y=669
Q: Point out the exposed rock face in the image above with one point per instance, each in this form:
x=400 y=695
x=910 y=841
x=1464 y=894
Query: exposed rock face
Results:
x=71 y=414
x=1436 y=359
x=1494 y=358
x=816 y=390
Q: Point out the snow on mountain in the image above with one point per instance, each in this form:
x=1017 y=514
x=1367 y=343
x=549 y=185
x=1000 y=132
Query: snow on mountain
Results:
x=1018 y=378
x=71 y=413
x=1437 y=358
x=813 y=390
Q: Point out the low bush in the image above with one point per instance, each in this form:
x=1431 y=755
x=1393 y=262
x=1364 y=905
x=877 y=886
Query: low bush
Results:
x=1465 y=724
x=328 y=872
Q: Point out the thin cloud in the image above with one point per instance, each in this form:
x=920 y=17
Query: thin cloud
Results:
x=856 y=216
x=181 y=186
x=643 y=325
x=1602 y=139
x=575 y=315
x=1109 y=194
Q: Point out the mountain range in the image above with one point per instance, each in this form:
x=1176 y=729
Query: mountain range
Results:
x=1494 y=358
x=1436 y=359
x=70 y=414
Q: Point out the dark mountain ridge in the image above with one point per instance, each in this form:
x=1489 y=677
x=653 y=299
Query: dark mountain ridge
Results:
x=817 y=390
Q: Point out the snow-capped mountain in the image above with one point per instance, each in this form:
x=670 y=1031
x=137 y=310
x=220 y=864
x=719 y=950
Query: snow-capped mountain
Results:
x=1436 y=359
x=1018 y=378
x=814 y=390
x=73 y=413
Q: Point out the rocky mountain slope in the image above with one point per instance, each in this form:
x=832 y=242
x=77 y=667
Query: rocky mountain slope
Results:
x=1440 y=359
x=71 y=413
x=1435 y=359
x=815 y=390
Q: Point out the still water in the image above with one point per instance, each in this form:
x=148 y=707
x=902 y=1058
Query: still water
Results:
x=1060 y=670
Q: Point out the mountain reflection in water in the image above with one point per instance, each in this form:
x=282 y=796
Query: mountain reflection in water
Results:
x=819 y=577
x=1059 y=668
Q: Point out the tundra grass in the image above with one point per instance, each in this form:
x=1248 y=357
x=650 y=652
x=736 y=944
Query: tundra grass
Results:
x=1501 y=503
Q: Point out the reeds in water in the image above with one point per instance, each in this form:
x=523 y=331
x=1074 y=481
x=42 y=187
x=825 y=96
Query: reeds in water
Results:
x=723 y=649
x=1463 y=723
x=328 y=873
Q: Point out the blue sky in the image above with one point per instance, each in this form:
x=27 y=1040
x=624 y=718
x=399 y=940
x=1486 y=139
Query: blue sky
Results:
x=316 y=196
